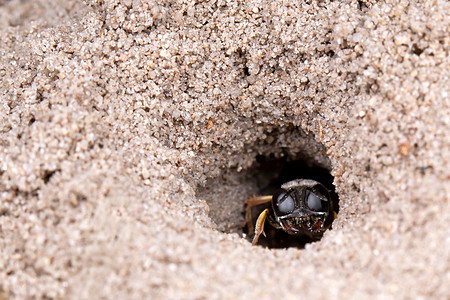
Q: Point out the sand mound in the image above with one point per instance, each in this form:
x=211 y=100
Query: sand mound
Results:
x=131 y=132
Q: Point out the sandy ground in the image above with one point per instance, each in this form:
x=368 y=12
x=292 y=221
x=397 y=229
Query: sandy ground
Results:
x=130 y=131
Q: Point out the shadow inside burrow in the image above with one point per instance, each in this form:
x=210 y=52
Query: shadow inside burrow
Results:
x=227 y=194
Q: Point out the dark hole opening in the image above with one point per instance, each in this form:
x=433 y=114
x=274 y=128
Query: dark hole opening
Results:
x=47 y=175
x=270 y=174
x=227 y=194
x=416 y=49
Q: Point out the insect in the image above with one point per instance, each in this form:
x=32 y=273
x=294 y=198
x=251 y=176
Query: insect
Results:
x=302 y=207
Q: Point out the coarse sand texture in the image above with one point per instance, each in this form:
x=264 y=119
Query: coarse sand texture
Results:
x=133 y=131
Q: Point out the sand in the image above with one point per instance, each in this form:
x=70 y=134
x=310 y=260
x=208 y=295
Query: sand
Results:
x=130 y=132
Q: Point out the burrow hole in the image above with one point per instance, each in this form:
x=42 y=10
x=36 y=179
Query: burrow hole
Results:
x=226 y=195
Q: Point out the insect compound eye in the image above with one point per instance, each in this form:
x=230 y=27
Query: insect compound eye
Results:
x=314 y=202
x=284 y=202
